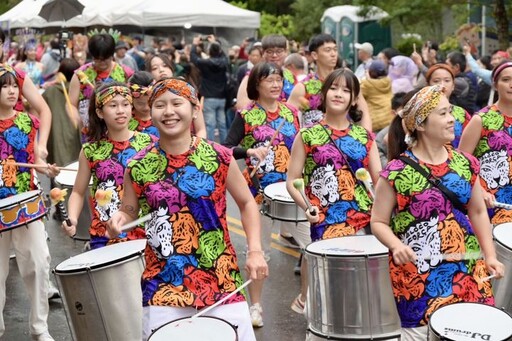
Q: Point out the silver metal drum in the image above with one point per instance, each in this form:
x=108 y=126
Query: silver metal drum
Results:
x=102 y=294
x=279 y=205
x=350 y=295
x=202 y=328
x=469 y=321
x=67 y=180
x=502 y=288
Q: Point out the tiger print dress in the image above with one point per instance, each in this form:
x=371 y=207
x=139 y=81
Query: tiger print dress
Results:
x=494 y=151
x=190 y=260
x=427 y=222
x=343 y=201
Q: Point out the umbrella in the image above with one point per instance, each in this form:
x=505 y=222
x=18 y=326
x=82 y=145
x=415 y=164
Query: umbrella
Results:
x=61 y=10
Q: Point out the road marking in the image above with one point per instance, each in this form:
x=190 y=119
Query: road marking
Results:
x=235 y=226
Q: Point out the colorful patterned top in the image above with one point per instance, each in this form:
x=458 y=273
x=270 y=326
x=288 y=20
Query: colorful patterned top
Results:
x=17 y=136
x=190 y=260
x=343 y=201
x=107 y=161
x=289 y=82
x=87 y=74
x=311 y=112
x=259 y=128
x=143 y=126
x=426 y=220
x=494 y=151
x=462 y=118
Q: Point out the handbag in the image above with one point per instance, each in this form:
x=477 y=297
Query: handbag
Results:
x=436 y=182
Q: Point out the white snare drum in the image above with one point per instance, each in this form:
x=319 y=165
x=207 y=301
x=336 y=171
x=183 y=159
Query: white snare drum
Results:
x=350 y=294
x=279 y=205
x=502 y=287
x=21 y=209
x=101 y=292
x=202 y=328
x=470 y=321
x=67 y=180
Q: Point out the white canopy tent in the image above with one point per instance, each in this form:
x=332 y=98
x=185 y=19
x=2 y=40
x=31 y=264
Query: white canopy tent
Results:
x=142 y=13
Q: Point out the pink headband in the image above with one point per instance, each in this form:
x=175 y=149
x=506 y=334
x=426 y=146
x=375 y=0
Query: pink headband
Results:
x=499 y=69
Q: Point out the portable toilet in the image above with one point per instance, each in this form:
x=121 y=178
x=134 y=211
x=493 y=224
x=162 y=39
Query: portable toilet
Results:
x=348 y=28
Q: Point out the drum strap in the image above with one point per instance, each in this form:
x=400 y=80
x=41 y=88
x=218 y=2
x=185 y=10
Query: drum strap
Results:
x=434 y=181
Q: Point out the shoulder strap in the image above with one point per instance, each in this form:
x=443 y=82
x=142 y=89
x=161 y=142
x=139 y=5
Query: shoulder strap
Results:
x=436 y=183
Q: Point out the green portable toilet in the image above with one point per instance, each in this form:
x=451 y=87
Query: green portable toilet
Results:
x=348 y=28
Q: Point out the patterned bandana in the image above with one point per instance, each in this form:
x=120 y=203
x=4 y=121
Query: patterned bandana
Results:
x=7 y=69
x=176 y=86
x=420 y=106
x=106 y=95
x=139 y=91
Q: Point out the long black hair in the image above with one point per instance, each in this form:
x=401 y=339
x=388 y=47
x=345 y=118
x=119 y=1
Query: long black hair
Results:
x=396 y=133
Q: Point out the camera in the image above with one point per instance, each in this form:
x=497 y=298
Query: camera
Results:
x=64 y=36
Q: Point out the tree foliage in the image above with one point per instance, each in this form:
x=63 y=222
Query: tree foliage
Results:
x=277 y=24
x=6 y=5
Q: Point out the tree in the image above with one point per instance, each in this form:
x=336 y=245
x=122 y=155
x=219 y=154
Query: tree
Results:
x=502 y=24
x=309 y=13
x=6 y=5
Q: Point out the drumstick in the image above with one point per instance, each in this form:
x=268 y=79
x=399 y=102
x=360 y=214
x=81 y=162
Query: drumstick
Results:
x=268 y=147
x=40 y=165
x=204 y=311
x=299 y=186
x=61 y=78
x=485 y=279
x=502 y=205
x=84 y=79
x=136 y=222
x=57 y=197
x=463 y=256
x=364 y=176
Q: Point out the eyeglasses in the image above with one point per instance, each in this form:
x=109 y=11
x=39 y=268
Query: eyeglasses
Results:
x=276 y=52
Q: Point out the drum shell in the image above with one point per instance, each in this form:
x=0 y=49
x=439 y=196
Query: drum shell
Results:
x=104 y=303
x=350 y=298
x=67 y=180
x=21 y=209
x=502 y=287
x=277 y=204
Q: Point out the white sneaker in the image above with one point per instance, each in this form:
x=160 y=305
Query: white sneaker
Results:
x=53 y=292
x=43 y=337
x=256 y=312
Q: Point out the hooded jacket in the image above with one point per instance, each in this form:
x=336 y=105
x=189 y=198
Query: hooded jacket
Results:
x=377 y=93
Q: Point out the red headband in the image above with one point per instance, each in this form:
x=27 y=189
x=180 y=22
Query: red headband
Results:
x=499 y=69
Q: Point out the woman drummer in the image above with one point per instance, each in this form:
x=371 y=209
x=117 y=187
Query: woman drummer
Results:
x=436 y=234
x=488 y=137
x=265 y=131
x=182 y=180
x=329 y=153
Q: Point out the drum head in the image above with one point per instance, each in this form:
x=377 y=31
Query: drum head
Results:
x=18 y=198
x=102 y=257
x=278 y=192
x=349 y=246
x=503 y=234
x=204 y=328
x=471 y=321
x=67 y=178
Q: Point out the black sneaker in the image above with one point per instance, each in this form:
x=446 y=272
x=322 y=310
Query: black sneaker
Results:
x=288 y=241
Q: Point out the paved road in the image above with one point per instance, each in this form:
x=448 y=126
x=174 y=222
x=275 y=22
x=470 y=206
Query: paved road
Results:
x=281 y=323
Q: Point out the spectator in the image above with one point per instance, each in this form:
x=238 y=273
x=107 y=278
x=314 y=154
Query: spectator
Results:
x=51 y=60
x=386 y=55
x=297 y=65
x=376 y=89
x=365 y=55
x=484 y=73
x=30 y=65
x=137 y=52
x=214 y=71
x=123 y=58
x=465 y=91
x=255 y=56
x=402 y=72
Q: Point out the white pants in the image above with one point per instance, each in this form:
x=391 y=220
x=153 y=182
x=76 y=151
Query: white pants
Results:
x=414 y=334
x=33 y=259
x=235 y=313
x=299 y=231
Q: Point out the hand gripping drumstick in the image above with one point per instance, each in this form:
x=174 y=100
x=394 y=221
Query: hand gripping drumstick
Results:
x=57 y=197
x=84 y=79
x=61 y=78
x=502 y=205
x=363 y=176
x=136 y=222
x=255 y=169
x=299 y=186
x=204 y=311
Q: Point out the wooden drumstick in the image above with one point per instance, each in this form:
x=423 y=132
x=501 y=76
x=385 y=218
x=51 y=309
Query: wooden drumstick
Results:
x=136 y=222
x=364 y=176
x=57 y=197
x=299 y=186
x=502 y=205
x=39 y=165
x=255 y=169
x=61 y=78
x=84 y=79
x=485 y=279
x=204 y=311
x=458 y=255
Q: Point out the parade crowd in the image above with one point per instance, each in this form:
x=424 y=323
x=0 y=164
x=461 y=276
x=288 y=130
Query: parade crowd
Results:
x=156 y=129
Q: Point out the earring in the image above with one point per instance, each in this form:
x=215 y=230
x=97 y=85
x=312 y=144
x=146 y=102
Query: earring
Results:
x=408 y=139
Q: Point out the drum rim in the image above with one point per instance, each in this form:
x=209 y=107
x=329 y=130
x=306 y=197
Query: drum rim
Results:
x=436 y=333
x=352 y=255
x=102 y=265
x=188 y=317
x=340 y=338
x=35 y=193
x=508 y=247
